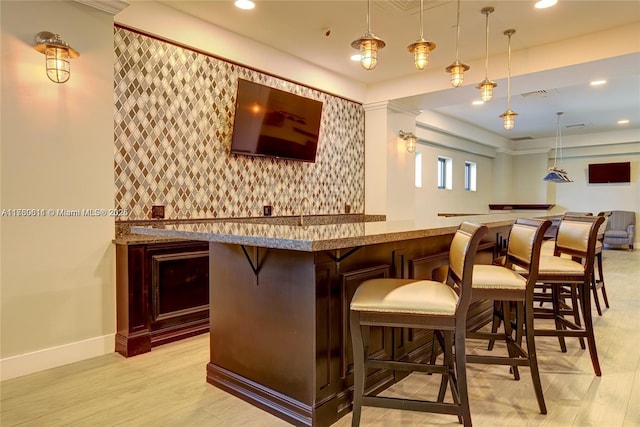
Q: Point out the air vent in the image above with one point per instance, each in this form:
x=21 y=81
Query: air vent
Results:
x=576 y=125
x=408 y=6
x=543 y=93
x=522 y=138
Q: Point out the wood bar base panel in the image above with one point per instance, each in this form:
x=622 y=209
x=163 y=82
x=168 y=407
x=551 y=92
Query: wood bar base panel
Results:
x=279 y=323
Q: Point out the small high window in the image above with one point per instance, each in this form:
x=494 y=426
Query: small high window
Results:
x=444 y=173
x=418 y=177
x=469 y=176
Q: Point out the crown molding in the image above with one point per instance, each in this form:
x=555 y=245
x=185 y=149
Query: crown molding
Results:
x=109 y=6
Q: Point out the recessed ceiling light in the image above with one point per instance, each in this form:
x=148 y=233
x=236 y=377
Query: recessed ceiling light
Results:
x=478 y=102
x=245 y=4
x=598 y=82
x=543 y=4
x=623 y=122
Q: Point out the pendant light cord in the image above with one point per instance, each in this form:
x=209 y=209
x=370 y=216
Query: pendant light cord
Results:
x=509 y=76
x=421 y=25
x=486 y=40
x=457 y=30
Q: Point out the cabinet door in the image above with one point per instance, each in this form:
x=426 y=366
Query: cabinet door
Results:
x=380 y=343
x=178 y=285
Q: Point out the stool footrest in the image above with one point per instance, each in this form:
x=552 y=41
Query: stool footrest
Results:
x=412 y=405
x=407 y=366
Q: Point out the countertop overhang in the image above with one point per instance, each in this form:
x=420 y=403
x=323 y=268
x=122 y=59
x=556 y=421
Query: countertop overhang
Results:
x=322 y=237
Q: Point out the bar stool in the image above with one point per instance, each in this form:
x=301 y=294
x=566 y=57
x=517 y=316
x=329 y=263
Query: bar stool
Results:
x=506 y=287
x=577 y=236
x=423 y=304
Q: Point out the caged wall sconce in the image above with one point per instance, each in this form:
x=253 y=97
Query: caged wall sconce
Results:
x=410 y=139
x=58 y=54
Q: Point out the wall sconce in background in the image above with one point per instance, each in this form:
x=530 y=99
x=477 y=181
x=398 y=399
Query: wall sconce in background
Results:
x=410 y=139
x=58 y=53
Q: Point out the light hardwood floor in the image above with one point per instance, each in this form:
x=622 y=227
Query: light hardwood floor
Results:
x=167 y=386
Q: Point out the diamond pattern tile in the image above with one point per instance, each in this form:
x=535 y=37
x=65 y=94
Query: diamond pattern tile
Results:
x=173 y=122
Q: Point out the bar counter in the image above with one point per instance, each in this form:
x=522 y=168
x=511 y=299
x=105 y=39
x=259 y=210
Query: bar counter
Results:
x=279 y=299
x=313 y=236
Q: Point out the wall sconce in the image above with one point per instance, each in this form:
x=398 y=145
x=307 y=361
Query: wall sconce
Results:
x=410 y=139
x=58 y=53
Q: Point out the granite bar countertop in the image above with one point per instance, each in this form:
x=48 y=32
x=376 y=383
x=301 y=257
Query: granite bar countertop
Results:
x=321 y=237
x=124 y=236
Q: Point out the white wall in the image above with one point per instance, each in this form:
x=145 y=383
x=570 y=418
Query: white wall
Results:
x=580 y=196
x=57 y=277
x=430 y=200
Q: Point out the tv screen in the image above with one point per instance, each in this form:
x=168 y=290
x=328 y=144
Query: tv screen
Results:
x=271 y=122
x=602 y=173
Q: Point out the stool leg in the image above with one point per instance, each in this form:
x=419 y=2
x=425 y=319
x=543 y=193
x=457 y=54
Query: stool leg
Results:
x=555 y=291
x=601 y=279
x=495 y=324
x=594 y=287
x=585 y=298
x=508 y=336
x=531 y=353
x=360 y=352
x=461 y=371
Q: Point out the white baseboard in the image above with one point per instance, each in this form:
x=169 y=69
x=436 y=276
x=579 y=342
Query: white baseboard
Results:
x=28 y=363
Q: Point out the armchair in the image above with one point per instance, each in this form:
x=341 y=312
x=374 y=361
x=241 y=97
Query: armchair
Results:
x=620 y=228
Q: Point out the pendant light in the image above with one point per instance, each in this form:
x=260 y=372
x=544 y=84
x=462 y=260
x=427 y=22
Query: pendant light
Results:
x=368 y=44
x=486 y=87
x=509 y=117
x=555 y=173
x=457 y=69
x=421 y=47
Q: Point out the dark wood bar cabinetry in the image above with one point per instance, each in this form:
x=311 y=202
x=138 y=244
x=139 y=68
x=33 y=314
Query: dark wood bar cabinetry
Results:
x=280 y=331
x=279 y=303
x=162 y=293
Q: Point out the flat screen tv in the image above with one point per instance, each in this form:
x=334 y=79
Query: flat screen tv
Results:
x=604 y=173
x=274 y=123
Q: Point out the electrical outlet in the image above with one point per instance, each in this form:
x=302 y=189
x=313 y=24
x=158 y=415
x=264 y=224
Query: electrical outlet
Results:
x=266 y=210
x=157 y=211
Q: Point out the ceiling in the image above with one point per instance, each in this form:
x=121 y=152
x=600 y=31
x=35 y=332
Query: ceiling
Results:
x=321 y=32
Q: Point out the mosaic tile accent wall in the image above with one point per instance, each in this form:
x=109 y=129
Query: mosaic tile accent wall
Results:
x=173 y=123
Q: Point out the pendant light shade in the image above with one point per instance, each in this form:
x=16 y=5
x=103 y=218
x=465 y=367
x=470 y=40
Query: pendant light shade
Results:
x=555 y=173
x=487 y=86
x=368 y=44
x=457 y=69
x=421 y=47
x=509 y=116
